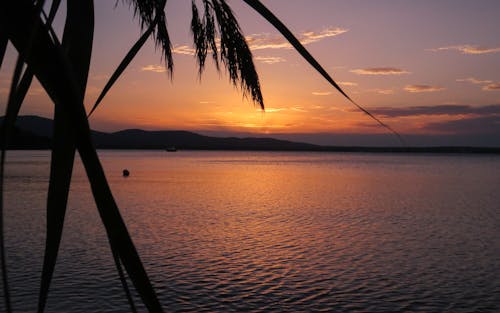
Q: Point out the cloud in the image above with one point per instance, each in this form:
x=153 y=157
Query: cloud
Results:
x=488 y=85
x=321 y=93
x=154 y=68
x=383 y=91
x=185 y=50
x=474 y=81
x=492 y=87
x=298 y=109
x=269 y=60
x=423 y=88
x=310 y=37
x=268 y=41
x=348 y=84
x=272 y=110
x=468 y=49
x=380 y=71
x=468 y=125
x=451 y=110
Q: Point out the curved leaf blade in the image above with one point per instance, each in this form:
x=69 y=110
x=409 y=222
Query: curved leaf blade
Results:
x=54 y=8
x=3 y=46
x=16 y=96
x=53 y=70
x=123 y=65
x=272 y=19
x=79 y=25
x=61 y=169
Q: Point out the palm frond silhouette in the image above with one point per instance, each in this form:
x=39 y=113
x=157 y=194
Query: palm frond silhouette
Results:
x=62 y=68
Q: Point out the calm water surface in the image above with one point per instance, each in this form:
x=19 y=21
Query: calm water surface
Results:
x=267 y=231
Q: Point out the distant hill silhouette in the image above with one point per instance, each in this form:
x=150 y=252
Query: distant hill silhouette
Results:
x=40 y=130
x=34 y=132
x=23 y=139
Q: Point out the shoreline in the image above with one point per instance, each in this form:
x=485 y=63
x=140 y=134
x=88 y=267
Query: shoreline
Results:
x=353 y=149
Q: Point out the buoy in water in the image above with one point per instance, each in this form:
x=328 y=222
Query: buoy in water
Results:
x=126 y=173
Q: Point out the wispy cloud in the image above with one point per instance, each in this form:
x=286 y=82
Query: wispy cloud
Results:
x=184 y=49
x=452 y=110
x=468 y=49
x=273 y=110
x=269 y=60
x=321 y=93
x=492 y=87
x=268 y=41
x=423 y=88
x=474 y=81
x=312 y=36
x=468 y=125
x=156 y=68
x=382 y=91
x=488 y=85
x=380 y=71
x=348 y=84
x=298 y=109
x=453 y=119
x=272 y=41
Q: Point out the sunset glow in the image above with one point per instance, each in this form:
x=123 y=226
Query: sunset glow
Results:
x=436 y=61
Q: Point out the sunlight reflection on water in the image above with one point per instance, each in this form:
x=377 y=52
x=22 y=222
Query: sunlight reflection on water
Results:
x=263 y=231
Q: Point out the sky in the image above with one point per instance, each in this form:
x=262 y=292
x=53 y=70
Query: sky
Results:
x=429 y=69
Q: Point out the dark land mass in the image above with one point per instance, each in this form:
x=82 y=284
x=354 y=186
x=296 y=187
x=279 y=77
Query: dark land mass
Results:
x=33 y=132
x=22 y=139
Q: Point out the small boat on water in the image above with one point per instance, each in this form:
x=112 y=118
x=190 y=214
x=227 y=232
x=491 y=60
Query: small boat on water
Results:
x=171 y=149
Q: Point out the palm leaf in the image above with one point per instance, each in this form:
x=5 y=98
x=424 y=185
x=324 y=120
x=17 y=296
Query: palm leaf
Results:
x=204 y=34
x=199 y=38
x=271 y=18
x=235 y=53
x=123 y=65
x=53 y=11
x=153 y=12
x=18 y=90
x=16 y=97
x=61 y=168
x=3 y=46
x=53 y=70
x=63 y=145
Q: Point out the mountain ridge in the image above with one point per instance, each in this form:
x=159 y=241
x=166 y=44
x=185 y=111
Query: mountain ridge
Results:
x=159 y=139
x=34 y=132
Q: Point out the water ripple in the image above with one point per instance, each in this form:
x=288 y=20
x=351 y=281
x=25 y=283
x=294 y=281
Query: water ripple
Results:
x=261 y=232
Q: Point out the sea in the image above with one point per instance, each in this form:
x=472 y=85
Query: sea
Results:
x=227 y=231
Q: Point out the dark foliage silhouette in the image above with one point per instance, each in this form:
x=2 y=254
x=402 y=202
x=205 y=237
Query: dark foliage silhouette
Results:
x=62 y=68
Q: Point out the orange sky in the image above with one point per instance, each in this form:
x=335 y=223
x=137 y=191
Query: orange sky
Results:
x=436 y=60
